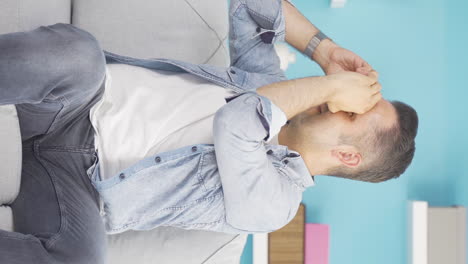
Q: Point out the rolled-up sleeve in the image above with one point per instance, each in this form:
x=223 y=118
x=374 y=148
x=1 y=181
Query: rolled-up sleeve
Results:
x=258 y=197
x=278 y=118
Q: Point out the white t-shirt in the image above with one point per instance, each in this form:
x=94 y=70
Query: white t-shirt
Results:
x=145 y=112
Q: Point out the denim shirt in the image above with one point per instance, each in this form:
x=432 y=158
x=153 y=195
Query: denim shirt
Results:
x=239 y=184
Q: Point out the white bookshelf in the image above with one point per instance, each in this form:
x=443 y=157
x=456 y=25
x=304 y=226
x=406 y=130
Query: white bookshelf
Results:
x=437 y=235
x=260 y=248
x=417 y=230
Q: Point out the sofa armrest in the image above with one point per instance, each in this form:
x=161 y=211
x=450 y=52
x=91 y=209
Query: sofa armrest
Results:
x=10 y=154
x=23 y=15
x=192 y=31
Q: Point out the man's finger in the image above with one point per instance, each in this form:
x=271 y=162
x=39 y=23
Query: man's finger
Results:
x=364 y=70
x=361 y=63
x=332 y=108
x=376 y=98
x=376 y=87
x=372 y=102
x=374 y=75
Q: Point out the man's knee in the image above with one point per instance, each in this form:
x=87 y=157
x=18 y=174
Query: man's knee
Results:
x=47 y=56
x=81 y=53
x=68 y=52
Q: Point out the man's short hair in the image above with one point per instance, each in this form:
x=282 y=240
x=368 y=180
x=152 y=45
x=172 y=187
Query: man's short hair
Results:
x=388 y=152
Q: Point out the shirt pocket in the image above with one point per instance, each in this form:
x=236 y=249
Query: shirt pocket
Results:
x=209 y=173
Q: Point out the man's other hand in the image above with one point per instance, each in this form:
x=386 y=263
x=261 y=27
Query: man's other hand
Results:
x=333 y=59
x=352 y=92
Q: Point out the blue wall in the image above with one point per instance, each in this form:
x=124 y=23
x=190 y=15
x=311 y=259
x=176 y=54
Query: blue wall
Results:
x=419 y=48
x=457 y=73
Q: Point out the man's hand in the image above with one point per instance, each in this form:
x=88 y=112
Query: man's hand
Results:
x=333 y=59
x=350 y=84
x=343 y=91
x=352 y=92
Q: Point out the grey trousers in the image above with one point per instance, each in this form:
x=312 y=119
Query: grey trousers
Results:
x=54 y=75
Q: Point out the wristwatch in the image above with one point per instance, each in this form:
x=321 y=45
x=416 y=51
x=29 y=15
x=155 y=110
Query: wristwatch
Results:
x=313 y=44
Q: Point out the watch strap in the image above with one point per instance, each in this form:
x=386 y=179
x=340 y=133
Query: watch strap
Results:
x=313 y=43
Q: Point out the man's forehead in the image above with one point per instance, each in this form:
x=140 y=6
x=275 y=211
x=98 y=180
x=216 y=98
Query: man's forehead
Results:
x=384 y=113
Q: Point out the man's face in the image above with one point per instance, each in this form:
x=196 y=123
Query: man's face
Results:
x=320 y=130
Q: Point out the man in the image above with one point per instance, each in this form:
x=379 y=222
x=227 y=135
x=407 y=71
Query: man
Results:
x=170 y=149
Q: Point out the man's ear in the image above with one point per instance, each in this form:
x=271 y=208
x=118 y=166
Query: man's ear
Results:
x=349 y=157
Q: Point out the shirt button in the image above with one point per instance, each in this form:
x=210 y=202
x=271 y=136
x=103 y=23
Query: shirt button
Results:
x=270 y=151
x=122 y=176
x=285 y=161
x=157 y=159
x=258 y=29
x=194 y=148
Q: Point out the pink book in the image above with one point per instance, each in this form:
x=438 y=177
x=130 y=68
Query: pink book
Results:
x=317 y=238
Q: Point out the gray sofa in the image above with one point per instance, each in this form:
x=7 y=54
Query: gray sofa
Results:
x=189 y=30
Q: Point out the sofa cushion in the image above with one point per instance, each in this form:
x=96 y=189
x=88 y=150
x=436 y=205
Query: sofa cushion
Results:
x=10 y=156
x=22 y=15
x=189 y=30
x=6 y=218
x=169 y=245
x=230 y=252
